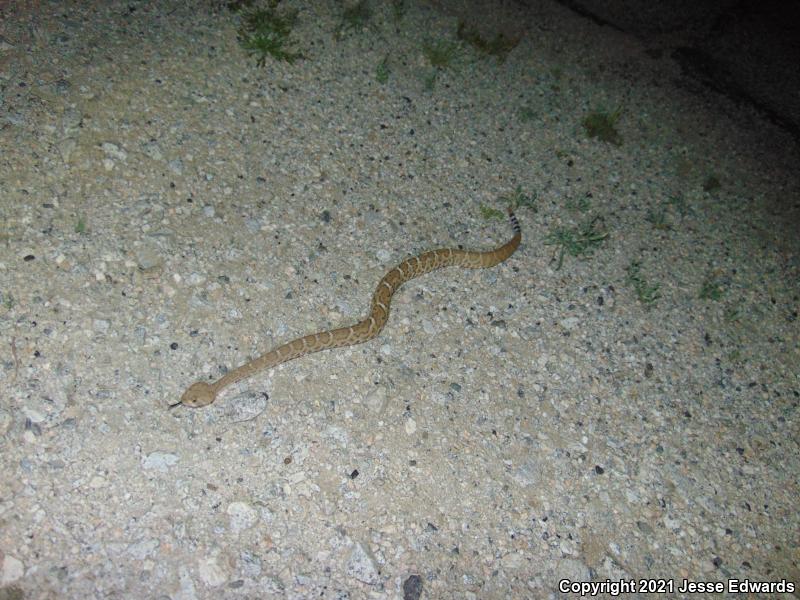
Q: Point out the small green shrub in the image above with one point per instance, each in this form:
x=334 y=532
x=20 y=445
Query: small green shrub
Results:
x=265 y=32
x=711 y=288
x=382 y=71
x=499 y=46
x=601 y=124
x=237 y=5
x=354 y=18
x=518 y=198
x=527 y=114
x=678 y=202
x=487 y=212
x=581 y=204
x=711 y=184
x=398 y=10
x=646 y=293
x=440 y=53
x=576 y=241
x=658 y=218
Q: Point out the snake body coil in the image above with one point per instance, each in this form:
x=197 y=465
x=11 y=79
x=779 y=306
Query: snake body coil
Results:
x=202 y=393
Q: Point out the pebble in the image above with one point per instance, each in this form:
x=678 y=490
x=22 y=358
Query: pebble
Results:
x=12 y=570
x=211 y=572
x=245 y=406
x=159 y=461
x=114 y=151
x=149 y=259
x=5 y=421
x=143 y=549
x=569 y=323
x=361 y=565
x=410 y=426
x=242 y=516
x=412 y=587
x=376 y=400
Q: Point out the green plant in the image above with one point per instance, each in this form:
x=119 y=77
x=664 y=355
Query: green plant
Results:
x=382 y=70
x=646 y=293
x=499 y=46
x=9 y=301
x=526 y=114
x=398 y=10
x=581 y=204
x=678 y=202
x=711 y=288
x=265 y=32
x=429 y=82
x=711 y=184
x=657 y=217
x=518 y=198
x=440 y=53
x=80 y=226
x=576 y=241
x=601 y=124
x=487 y=212
x=731 y=314
x=354 y=18
x=237 y=5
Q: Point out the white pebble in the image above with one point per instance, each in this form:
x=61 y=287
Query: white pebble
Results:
x=243 y=516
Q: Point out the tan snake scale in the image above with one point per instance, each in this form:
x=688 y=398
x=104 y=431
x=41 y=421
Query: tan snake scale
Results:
x=202 y=393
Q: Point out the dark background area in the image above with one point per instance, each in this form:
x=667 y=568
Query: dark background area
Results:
x=748 y=50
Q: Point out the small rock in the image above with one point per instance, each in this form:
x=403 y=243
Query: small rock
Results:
x=376 y=399
x=361 y=565
x=428 y=327
x=71 y=121
x=159 y=461
x=114 y=151
x=176 y=166
x=152 y=150
x=211 y=573
x=249 y=564
x=140 y=550
x=97 y=482
x=412 y=587
x=243 y=516
x=569 y=323
x=33 y=415
x=148 y=259
x=187 y=590
x=12 y=569
x=571 y=569
x=66 y=147
x=5 y=421
x=525 y=475
x=245 y=407
x=337 y=434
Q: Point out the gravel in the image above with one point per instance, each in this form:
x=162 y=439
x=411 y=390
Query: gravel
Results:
x=170 y=210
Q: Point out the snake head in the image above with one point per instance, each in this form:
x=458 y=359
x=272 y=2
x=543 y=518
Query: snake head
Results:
x=198 y=395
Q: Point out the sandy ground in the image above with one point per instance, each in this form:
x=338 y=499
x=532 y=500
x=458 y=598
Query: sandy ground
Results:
x=170 y=210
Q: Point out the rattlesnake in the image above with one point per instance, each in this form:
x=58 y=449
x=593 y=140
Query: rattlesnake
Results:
x=202 y=393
